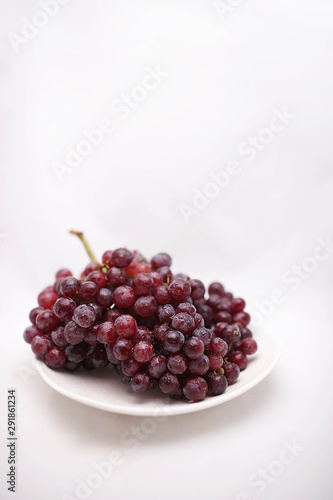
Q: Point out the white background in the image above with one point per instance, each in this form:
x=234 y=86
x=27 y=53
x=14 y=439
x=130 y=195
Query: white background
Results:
x=226 y=75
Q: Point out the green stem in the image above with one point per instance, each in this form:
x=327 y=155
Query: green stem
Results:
x=85 y=244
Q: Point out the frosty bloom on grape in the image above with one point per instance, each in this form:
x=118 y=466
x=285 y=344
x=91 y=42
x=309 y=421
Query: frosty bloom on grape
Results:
x=121 y=107
x=264 y=476
x=293 y=277
x=131 y=439
x=30 y=27
x=224 y=7
x=249 y=148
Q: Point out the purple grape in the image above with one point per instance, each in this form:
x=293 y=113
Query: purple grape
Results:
x=173 y=341
x=217 y=384
x=73 y=333
x=168 y=383
x=84 y=316
x=140 y=382
x=177 y=363
x=184 y=323
x=199 y=366
x=195 y=388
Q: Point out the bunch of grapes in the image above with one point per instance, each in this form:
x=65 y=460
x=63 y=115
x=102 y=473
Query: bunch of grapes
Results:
x=155 y=327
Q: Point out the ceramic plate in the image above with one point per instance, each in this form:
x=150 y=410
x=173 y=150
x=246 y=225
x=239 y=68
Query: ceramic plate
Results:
x=102 y=389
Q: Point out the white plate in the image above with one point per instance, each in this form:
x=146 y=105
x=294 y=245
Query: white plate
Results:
x=102 y=389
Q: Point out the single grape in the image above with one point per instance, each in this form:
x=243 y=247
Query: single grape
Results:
x=58 y=337
x=122 y=349
x=47 y=298
x=76 y=353
x=177 y=363
x=88 y=290
x=199 y=366
x=161 y=260
x=219 y=346
x=140 y=382
x=124 y=296
x=143 y=284
x=145 y=306
x=104 y=297
x=64 y=308
x=156 y=278
x=237 y=305
x=31 y=332
x=245 y=332
x=98 y=357
x=141 y=268
x=239 y=358
x=160 y=331
x=203 y=334
x=116 y=277
x=197 y=289
x=242 y=317
x=143 y=351
x=195 y=388
x=186 y=307
x=91 y=334
x=179 y=289
x=231 y=334
x=194 y=347
x=62 y=273
x=165 y=313
x=73 y=333
x=106 y=256
x=121 y=257
x=231 y=372
x=69 y=287
x=40 y=344
x=173 y=341
x=198 y=320
x=248 y=346
x=223 y=317
x=55 y=358
x=130 y=367
x=161 y=294
x=84 y=316
x=106 y=333
x=47 y=321
x=217 y=384
x=183 y=322
x=97 y=277
x=34 y=313
x=168 y=383
x=165 y=273
x=216 y=288
x=125 y=325
x=157 y=366
x=215 y=361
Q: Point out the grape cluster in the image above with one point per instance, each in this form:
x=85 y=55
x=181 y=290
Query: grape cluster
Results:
x=155 y=327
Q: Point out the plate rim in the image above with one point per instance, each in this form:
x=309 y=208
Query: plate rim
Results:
x=168 y=409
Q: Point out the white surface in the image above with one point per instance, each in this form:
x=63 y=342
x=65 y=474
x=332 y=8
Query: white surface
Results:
x=226 y=78
x=102 y=388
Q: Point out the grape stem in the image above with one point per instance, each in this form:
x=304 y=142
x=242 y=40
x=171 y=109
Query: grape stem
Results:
x=86 y=245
